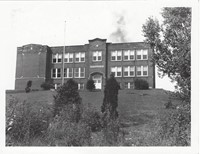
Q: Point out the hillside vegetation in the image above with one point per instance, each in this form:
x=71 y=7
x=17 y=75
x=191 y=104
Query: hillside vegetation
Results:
x=141 y=116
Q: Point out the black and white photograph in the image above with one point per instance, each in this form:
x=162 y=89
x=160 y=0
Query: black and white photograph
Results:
x=100 y=74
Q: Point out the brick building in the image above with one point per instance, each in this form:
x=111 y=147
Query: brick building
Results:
x=96 y=60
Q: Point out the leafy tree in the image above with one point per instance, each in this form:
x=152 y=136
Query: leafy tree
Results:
x=68 y=101
x=110 y=101
x=90 y=85
x=172 y=51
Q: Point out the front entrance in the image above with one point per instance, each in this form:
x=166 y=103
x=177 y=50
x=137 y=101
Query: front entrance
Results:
x=97 y=78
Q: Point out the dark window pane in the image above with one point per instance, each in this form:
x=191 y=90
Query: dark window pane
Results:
x=113 y=57
x=131 y=57
x=125 y=57
x=144 y=56
x=54 y=60
x=125 y=73
x=138 y=56
x=118 y=57
x=144 y=72
x=138 y=72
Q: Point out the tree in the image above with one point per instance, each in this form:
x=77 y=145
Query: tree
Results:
x=110 y=101
x=90 y=85
x=172 y=52
x=68 y=101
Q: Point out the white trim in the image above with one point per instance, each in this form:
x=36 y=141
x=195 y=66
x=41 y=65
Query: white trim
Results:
x=142 y=70
x=116 y=55
x=129 y=70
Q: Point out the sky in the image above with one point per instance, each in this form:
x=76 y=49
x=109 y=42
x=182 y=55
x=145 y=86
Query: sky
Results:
x=42 y=22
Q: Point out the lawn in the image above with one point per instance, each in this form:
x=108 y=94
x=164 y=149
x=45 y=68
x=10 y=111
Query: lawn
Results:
x=138 y=109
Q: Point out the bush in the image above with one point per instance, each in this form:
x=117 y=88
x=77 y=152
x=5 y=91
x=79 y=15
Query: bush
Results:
x=28 y=86
x=90 y=85
x=110 y=101
x=26 y=121
x=47 y=85
x=141 y=84
x=62 y=132
x=176 y=127
x=92 y=118
x=68 y=99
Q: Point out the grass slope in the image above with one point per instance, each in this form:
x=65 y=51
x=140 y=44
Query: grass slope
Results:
x=138 y=109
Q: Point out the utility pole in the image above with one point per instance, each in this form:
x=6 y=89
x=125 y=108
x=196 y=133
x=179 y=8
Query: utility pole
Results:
x=63 y=55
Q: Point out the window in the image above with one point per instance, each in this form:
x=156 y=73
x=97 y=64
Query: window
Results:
x=129 y=55
x=142 y=54
x=69 y=57
x=129 y=85
x=68 y=72
x=116 y=55
x=97 y=56
x=57 y=58
x=129 y=71
x=117 y=71
x=80 y=57
x=79 y=72
x=142 y=70
x=56 y=73
x=80 y=86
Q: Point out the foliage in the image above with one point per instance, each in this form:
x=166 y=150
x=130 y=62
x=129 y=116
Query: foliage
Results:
x=63 y=132
x=176 y=127
x=47 y=85
x=68 y=99
x=28 y=86
x=92 y=118
x=172 y=53
x=90 y=85
x=141 y=84
x=24 y=121
x=110 y=101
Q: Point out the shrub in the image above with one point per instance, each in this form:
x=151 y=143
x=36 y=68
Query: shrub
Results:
x=110 y=101
x=68 y=99
x=62 y=132
x=47 y=85
x=176 y=126
x=26 y=122
x=92 y=118
x=28 y=86
x=141 y=84
x=90 y=85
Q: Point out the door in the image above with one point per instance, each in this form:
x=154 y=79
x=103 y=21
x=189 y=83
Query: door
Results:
x=97 y=81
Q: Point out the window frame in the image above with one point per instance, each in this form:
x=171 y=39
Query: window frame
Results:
x=79 y=72
x=79 y=57
x=129 y=71
x=142 y=71
x=96 y=54
x=142 y=54
x=116 y=70
x=129 y=55
x=116 y=53
x=67 y=72
x=56 y=73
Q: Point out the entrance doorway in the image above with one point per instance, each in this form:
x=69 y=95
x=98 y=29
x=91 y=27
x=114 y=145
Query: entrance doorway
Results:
x=97 y=78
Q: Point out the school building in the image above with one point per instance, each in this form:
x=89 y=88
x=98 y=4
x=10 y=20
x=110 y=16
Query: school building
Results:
x=97 y=60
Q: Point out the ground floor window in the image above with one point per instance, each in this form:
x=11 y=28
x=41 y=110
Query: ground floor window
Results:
x=80 y=86
x=128 y=85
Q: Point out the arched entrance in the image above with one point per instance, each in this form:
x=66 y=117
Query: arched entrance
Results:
x=97 y=77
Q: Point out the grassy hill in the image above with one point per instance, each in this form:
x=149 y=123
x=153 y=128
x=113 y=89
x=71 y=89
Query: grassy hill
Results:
x=139 y=110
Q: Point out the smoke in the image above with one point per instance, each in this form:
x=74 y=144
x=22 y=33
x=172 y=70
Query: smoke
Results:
x=119 y=35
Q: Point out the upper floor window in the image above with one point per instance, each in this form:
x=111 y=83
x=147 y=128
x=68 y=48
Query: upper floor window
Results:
x=142 y=70
x=117 y=71
x=56 y=73
x=80 y=57
x=129 y=71
x=129 y=55
x=57 y=58
x=68 y=72
x=69 y=57
x=116 y=55
x=97 y=56
x=142 y=54
x=79 y=72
